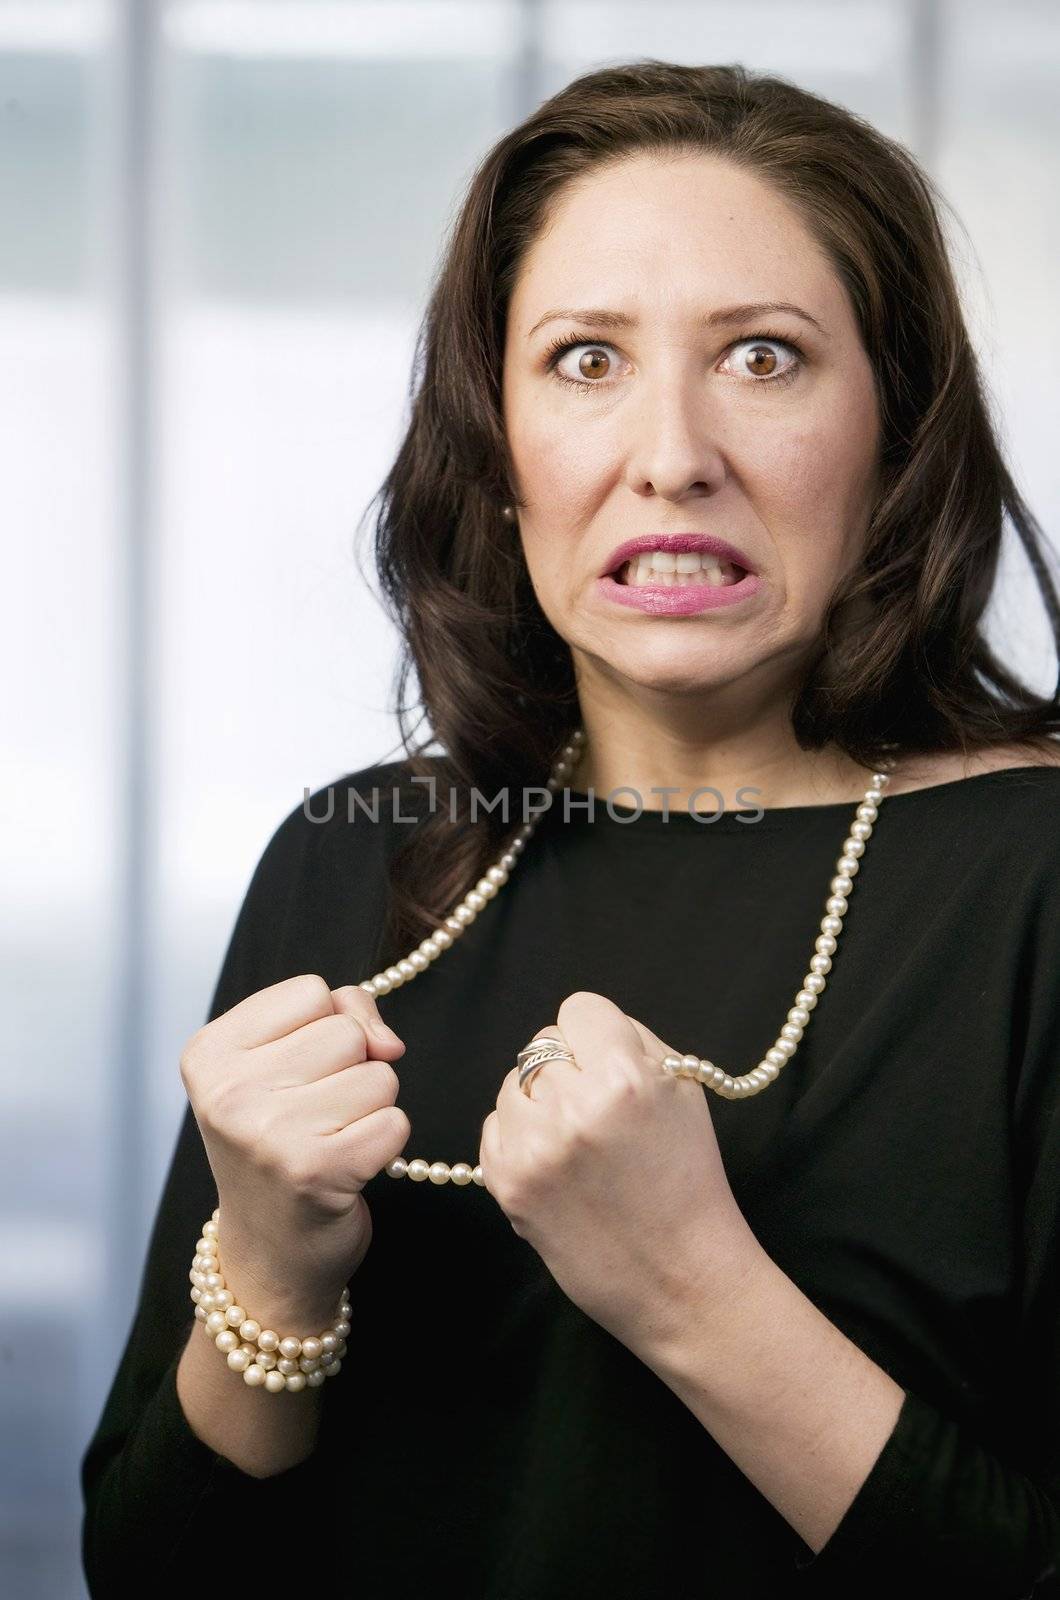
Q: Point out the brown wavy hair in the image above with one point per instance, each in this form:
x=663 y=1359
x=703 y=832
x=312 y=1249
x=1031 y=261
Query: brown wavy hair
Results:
x=903 y=666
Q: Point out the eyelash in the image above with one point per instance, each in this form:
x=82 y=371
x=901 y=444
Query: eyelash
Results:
x=560 y=346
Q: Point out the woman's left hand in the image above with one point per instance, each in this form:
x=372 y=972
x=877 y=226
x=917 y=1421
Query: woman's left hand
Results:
x=611 y=1171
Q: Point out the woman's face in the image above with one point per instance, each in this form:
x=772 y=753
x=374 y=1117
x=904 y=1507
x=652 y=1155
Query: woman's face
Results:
x=759 y=427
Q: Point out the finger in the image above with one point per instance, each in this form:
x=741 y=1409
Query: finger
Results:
x=599 y=1032
x=274 y=1012
x=316 y=1050
x=357 y=1002
x=510 y=1094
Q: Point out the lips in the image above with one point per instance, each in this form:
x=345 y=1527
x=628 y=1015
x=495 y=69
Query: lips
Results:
x=676 y=544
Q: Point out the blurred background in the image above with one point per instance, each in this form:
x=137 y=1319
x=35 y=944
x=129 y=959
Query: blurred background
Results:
x=218 y=225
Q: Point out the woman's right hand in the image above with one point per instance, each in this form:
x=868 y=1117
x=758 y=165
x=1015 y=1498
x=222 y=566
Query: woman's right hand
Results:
x=294 y=1094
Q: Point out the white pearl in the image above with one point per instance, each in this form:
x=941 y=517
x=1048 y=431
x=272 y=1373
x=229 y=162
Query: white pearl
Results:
x=486 y=888
x=266 y=1360
x=286 y=1365
x=873 y=797
x=867 y=812
x=315 y=1379
x=235 y=1315
x=442 y=938
x=776 y=1055
x=460 y=1174
x=464 y=915
x=497 y=875
x=689 y=1066
x=267 y=1340
x=239 y=1361
x=853 y=847
x=474 y=901
x=275 y=1381
x=368 y=986
x=842 y=884
x=406 y=968
x=342 y=1328
x=312 y=1348
x=249 y=1330
x=833 y=925
x=398 y=1167
x=381 y=984
x=848 y=864
x=418 y=1169
x=860 y=830
x=200 y=1314
x=308 y=1364
x=825 y=944
x=254 y=1376
x=229 y=1340
x=821 y=963
x=209 y=1229
x=396 y=977
x=296 y=1381
x=787 y=1047
x=476 y=1173
x=215 y=1322
x=329 y=1343
x=791 y=1030
x=418 y=961
x=799 y=1014
x=813 y=982
x=333 y=1369
x=291 y=1347
x=836 y=905
x=438 y=1172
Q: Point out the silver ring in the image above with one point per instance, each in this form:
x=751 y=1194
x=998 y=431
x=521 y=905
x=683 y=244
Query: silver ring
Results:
x=535 y=1054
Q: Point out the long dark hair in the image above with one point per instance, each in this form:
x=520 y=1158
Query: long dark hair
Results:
x=903 y=666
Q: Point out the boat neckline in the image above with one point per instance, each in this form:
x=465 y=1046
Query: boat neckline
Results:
x=627 y=816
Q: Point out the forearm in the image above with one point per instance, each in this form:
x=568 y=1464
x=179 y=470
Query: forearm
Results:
x=800 y=1409
x=261 y=1433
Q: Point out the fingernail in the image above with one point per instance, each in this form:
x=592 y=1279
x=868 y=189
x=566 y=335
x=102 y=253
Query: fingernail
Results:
x=384 y=1034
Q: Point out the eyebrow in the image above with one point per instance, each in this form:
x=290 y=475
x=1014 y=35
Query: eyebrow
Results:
x=602 y=318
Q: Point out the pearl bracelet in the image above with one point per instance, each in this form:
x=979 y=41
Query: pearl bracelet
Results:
x=262 y=1356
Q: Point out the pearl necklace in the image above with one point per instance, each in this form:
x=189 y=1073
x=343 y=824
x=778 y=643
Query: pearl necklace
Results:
x=690 y=1066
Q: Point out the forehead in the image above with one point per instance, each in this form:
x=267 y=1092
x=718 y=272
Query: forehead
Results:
x=669 y=233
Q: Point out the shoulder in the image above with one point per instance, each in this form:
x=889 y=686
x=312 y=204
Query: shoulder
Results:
x=950 y=766
x=365 y=813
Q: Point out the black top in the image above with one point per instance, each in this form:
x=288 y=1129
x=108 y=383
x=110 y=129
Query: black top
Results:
x=485 y=1437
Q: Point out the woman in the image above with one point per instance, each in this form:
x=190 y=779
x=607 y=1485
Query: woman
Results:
x=634 y=1337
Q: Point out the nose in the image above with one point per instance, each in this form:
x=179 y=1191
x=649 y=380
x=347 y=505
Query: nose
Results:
x=673 y=451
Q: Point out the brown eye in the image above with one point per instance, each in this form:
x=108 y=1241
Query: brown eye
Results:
x=761 y=360
x=593 y=364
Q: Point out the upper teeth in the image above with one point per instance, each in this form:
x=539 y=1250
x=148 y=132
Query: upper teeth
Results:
x=640 y=567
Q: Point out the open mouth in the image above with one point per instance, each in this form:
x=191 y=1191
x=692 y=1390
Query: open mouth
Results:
x=657 y=569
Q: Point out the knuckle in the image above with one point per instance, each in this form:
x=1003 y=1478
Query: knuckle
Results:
x=389 y=1083
x=315 y=989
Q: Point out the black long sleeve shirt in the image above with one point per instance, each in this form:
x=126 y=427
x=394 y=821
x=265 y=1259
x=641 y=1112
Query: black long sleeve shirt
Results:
x=485 y=1437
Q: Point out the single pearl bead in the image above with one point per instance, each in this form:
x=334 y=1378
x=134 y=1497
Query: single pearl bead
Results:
x=265 y=1360
x=254 y=1376
x=806 y=998
x=381 y=984
x=418 y=1169
x=312 y=1348
x=776 y=1056
x=235 y=1315
x=787 y=1047
x=813 y=982
x=799 y=1015
x=836 y=906
x=342 y=1328
x=229 y=1340
x=791 y=1030
x=329 y=1343
x=460 y=1174
x=418 y=961
x=333 y=1369
x=821 y=963
x=275 y=1381
x=398 y=1167
x=406 y=968
x=215 y=1322
x=476 y=1173
x=396 y=977
x=296 y=1381
x=438 y=1172
x=825 y=943
x=267 y=1340
x=239 y=1361
x=249 y=1330
x=287 y=1366
x=290 y=1347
